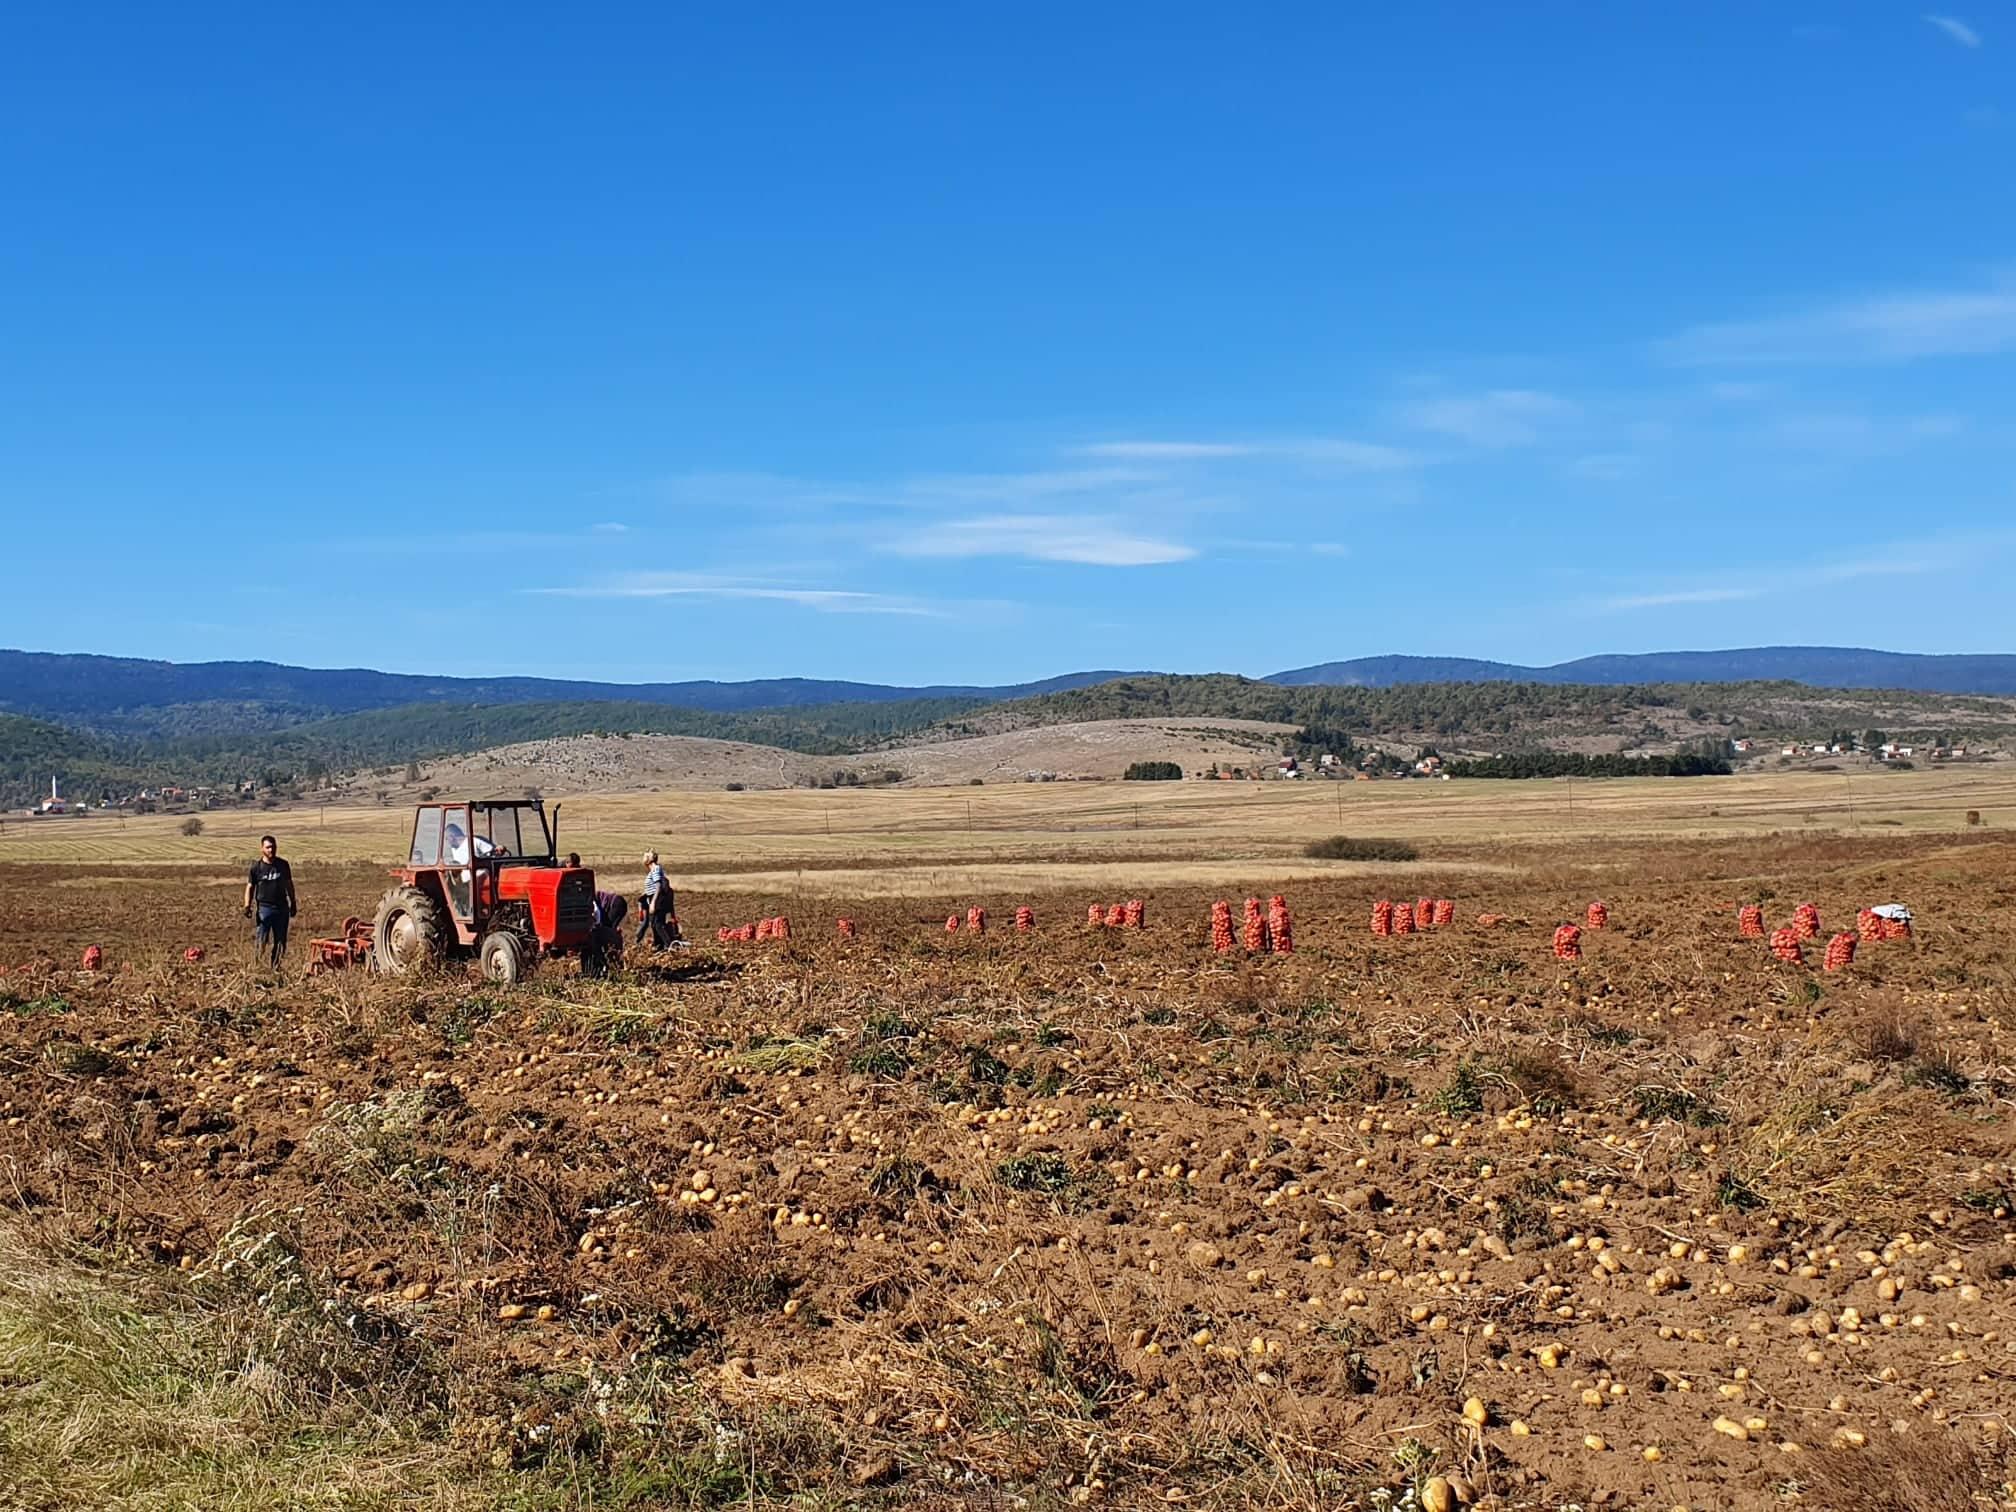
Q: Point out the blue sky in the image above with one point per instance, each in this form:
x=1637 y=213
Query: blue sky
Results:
x=928 y=343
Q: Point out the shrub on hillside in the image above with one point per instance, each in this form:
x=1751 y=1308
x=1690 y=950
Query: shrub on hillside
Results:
x=192 y=827
x=1352 y=848
x=1153 y=771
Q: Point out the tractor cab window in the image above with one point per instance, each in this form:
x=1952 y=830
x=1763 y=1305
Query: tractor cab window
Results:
x=511 y=831
x=455 y=837
x=426 y=837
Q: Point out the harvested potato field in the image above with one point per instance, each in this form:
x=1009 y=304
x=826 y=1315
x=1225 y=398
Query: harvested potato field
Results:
x=1071 y=1216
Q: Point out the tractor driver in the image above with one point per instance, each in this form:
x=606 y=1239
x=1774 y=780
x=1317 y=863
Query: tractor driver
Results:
x=457 y=850
x=459 y=846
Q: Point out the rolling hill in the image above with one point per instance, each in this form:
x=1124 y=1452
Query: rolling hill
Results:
x=1479 y=716
x=132 y=699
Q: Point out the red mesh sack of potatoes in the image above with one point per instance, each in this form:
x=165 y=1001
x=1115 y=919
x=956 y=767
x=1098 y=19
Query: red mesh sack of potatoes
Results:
x=746 y=933
x=1785 y=946
x=976 y=919
x=1254 y=936
x=1424 y=913
x=1599 y=916
x=846 y=928
x=93 y=958
x=193 y=954
x=1382 y=917
x=1221 y=926
x=1445 y=912
x=1280 y=927
x=1136 y=913
x=952 y=924
x=1568 y=943
x=780 y=928
x=1869 y=925
x=1841 y=951
x=724 y=934
x=1025 y=919
x=1895 y=929
x=1094 y=914
x=1750 y=921
x=1403 y=918
x=1806 y=921
x=1116 y=915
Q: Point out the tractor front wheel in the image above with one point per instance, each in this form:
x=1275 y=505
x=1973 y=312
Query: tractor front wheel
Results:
x=504 y=958
x=409 y=934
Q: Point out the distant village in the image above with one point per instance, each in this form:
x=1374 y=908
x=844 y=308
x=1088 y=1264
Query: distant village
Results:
x=146 y=800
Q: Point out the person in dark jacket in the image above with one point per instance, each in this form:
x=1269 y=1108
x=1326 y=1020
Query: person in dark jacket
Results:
x=270 y=900
x=604 y=951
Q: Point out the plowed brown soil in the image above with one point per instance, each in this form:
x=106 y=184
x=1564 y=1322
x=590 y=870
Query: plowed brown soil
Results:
x=1101 y=1217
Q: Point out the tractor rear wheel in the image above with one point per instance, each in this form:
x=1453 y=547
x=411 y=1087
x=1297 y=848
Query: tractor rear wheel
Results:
x=409 y=934
x=504 y=957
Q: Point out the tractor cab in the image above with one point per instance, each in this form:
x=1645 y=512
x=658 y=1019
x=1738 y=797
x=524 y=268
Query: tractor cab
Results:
x=481 y=875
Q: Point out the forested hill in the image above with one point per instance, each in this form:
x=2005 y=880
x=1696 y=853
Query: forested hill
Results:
x=31 y=751
x=1478 y=716
x=1497 y=713
x=132 y=699
x=125 y=696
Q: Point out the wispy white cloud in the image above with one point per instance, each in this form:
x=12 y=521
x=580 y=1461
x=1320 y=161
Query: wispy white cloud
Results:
x=1681 y=596
x=1367 y=456
x=611 y=527
x=1166 y=451
x=1017 y=487
x=1497 y=418
x=698 y=585
x=1736 y=391
x=1855 y=434
x=1604 y=467
x=1253 y=546
x=1740 y=586
x=1087 y=540
x=1957 y=29
x=1880 y=328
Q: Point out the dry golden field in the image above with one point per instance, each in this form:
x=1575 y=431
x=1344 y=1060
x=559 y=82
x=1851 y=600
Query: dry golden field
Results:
x=1082 y=1217
x=875 y=842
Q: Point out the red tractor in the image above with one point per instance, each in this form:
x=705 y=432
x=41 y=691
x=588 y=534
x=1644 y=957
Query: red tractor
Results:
x=482 y=878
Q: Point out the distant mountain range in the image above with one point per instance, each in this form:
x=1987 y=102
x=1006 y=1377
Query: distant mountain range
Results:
x=127 y=696
x=132 y=699
x=1819 y=666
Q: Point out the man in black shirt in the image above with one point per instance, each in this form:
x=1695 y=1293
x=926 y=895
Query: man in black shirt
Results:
x=269 y=893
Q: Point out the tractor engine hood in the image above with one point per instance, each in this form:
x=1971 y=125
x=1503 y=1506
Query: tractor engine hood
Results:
x=561 y=900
